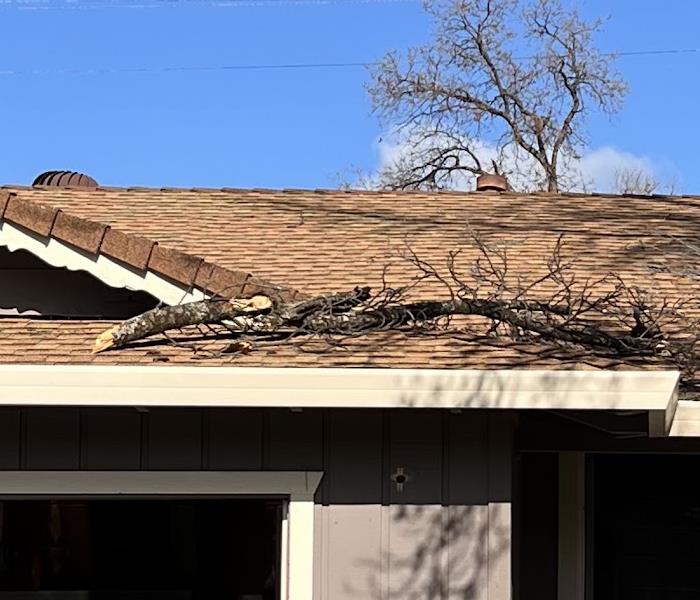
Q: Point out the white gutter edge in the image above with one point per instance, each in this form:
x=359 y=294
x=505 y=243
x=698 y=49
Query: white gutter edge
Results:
x=687 y=419
x=144 y=386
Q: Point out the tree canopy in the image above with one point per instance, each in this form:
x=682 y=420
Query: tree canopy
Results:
x=502 y=86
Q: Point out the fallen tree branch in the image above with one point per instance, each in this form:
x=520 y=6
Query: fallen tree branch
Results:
x=519 y=315
x=344 y=314
x=602 y=315
x=238 y=314
x=160 y=320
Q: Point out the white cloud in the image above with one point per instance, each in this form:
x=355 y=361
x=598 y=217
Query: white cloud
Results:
x=600 y=166
x=595 y=171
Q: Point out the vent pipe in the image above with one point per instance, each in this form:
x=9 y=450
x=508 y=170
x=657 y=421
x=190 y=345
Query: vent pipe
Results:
x=491 y=183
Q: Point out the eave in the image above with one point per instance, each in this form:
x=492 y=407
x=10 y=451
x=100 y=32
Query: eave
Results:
x=654 y=392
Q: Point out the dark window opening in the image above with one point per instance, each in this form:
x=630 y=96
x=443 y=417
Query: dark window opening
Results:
x=34 y=289
x=140 y=549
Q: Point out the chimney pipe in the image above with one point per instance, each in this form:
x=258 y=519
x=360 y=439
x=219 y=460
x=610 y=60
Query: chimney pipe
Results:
x=491 y=183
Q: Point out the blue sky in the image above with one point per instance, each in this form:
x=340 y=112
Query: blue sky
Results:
x=281 y=128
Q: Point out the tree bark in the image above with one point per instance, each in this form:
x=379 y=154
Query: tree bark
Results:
x=160 y=320
x=348 y=313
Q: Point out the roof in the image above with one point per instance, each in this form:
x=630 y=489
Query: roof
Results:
x=308 y=242
x=39 y=341
x=97 y=236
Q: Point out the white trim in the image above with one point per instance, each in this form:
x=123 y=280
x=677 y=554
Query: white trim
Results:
x=300 y=555
x=107 y=270
x=90 y=385
x=687 y=420
x=498 y=555
x=299 y=484
x=284 y=552
x=297 y=550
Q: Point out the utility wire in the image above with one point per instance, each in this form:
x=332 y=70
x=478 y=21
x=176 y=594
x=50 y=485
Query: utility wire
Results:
x=264 y=67
x=257 y=67
x=39 y=5
x=650 y=52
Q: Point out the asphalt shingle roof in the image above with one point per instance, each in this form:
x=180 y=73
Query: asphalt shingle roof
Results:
x=321 y=241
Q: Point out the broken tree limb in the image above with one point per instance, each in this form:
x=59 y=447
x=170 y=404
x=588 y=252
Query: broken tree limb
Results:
x=354 y=312
x=237 y=314
x=603 y=315
x=160 y=320
x=519 y=314
x=338 y=303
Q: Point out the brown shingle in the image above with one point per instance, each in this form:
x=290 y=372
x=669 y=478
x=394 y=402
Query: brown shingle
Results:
x=176 y=265
x=63 y=342
x=4 y=199
x=319 y=241
x=84 y=234
x=31 y=215
x=215 y=280
x=130 y=249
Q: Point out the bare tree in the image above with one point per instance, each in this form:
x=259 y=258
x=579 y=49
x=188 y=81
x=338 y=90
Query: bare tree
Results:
x=504 y=85
x=636 y=180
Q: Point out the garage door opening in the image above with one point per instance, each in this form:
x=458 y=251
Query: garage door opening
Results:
x=151 y=549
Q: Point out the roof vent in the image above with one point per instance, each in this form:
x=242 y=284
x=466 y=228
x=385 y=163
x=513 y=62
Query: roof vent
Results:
x=64 y=179
x=491 y=183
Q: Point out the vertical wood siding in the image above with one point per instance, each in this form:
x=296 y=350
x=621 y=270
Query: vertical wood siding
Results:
x=433 y=540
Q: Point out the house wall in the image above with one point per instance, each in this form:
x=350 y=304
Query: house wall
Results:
x=445 y=535
x=39 y=289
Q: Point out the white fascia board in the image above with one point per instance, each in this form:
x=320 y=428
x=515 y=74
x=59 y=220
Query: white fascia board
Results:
x=296 y=484
x=90 y=385
x=687 y=419
x=109 y=271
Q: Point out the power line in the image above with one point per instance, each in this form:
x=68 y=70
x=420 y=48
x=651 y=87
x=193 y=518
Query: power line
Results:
x=39 y=5
x=174 y=69
x=260 y=67
x=650 y=52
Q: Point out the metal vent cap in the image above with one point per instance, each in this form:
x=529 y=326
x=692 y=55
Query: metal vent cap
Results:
x=65 y=179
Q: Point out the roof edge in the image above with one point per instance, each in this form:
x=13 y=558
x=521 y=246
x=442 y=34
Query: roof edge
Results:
x=654 y=392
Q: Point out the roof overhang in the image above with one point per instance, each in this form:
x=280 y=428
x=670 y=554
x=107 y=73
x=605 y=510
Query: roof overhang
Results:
x=111 y=272
x=121 y=259
x=654 y=392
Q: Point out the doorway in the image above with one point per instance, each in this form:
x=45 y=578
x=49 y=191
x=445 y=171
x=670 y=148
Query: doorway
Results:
x=140 y=549
x=644 y=527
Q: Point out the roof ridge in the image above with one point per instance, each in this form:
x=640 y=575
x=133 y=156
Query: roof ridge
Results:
x=143 y=254
x=343 y=191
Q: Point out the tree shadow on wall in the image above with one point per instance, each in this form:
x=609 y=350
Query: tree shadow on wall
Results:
x=444 y=554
